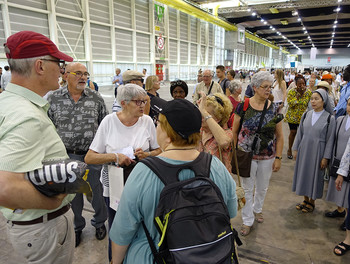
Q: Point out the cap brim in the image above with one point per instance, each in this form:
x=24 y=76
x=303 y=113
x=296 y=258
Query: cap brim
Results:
x=62 y=56
x=158 y=104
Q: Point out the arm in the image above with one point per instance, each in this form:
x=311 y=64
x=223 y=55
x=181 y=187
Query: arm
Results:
x=235 y=127
x=144 y=154
x=93 y=157
x=17 y=192
x=118 y=253
x=147 y=106
x=284 y=91
x=91 y=85
x=299 y=136
x=279 y=147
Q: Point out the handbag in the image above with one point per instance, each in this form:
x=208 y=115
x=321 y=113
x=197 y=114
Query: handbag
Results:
x=336 y=162
x=239 y=189
x=244 y=158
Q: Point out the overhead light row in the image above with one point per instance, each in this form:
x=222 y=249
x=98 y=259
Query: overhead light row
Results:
x=295 y=13
x=254 y=13
x=337 y=10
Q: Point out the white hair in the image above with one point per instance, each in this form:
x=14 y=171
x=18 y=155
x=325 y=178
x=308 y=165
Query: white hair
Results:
x=260 y=77
x=234 y=86
x=129 y=91
x=24 y=66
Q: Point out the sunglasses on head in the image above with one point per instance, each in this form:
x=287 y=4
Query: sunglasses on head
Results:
x=219 y=100
x=176 y=83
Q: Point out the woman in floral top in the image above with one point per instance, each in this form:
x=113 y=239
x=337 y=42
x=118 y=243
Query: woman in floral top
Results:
x=216 y=137
x=268 y=150
x=297 y=99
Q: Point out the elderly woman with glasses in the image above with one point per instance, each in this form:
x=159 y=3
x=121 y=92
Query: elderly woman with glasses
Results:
x=178 y=89
x=129 y=128
x=216 y=137
x=267 y=152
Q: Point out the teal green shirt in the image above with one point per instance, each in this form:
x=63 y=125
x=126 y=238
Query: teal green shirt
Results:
x=139 y=202
x=27 y=139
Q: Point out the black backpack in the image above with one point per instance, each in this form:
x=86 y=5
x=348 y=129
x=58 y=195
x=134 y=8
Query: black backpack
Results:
x=191 y=216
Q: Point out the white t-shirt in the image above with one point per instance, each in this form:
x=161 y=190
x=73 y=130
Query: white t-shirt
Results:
x=112 y=135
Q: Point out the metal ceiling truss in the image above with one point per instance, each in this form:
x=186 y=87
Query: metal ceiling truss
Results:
x=290 y=5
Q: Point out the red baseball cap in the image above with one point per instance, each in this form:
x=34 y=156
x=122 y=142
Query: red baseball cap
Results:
x=29 y=44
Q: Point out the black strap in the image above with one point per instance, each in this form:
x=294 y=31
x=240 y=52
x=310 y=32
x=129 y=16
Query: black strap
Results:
x=336 y=137
x=211 y=86
x=157 y=258
x=260 y=125
x=169 y=173
x=242 y=117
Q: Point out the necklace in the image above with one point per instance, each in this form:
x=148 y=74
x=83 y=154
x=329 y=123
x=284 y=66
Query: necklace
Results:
x=179 y=149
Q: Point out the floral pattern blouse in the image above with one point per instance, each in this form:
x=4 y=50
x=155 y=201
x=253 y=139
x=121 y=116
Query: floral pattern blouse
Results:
x=296 y=107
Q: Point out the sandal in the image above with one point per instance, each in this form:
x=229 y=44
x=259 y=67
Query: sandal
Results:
x=342 y=247
x=301 y=206
x=308 y=208
x=245 y=230
x=259 y=217
x=289 y=154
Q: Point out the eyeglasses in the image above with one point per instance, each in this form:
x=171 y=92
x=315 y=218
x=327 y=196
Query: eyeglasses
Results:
x=61 y=63
x=177 y=83
x=80 y=74
x=139 y=102
x=266 y=87
x=206 y=76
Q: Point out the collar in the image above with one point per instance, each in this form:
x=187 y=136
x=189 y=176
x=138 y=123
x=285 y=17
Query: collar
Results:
x=28 y=94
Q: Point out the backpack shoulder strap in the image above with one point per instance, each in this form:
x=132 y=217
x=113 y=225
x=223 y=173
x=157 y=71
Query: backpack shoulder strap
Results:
x=169 y=173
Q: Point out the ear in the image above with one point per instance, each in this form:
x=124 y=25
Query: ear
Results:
x=123 y=103
x=39 y=67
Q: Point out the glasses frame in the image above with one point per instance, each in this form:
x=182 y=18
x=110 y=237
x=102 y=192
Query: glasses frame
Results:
x=139 y=102
x=61 y=63
x=80 y=74
x=266 y=88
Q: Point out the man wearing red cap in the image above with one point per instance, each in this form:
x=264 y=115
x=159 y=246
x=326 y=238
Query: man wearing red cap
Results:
x=39 y=227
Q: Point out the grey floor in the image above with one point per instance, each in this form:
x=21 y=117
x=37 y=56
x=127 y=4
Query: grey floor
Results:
x=286 y=236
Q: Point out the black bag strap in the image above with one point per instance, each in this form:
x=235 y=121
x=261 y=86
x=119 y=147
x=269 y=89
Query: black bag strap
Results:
x=260 y=125
x=169 y=173
x=157 y=258
x=211 y=86
x=245 y=107
x=336 y=137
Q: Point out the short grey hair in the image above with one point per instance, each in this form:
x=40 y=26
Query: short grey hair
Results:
x=260 y=77
x=234 y=86
x=129 y=91
x=24 y=66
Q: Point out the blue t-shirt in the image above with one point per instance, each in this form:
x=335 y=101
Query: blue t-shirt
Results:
x=249 y=91
x=139 y=201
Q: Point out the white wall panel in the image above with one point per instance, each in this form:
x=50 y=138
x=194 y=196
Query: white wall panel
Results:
x=40 y=4
x=172 y=23
x=2 y=33
x=71 y=32
x=211 y=35
x=143 y=47
x=194 y=29
x=210 y=56
x=193 y=54
x=183 y=26
x=103 y=72
x=202 y=60
x=69 y=7
x=122 y=13
x=124 y=48
x=183 y=52
x=99 y=11
x=184 y=72
x=173 y=51
x=203 y=31
x=101 y=42
x=28 y=20
x=142 y=15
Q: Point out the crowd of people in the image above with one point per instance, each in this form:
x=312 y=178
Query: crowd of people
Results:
x=53 y=111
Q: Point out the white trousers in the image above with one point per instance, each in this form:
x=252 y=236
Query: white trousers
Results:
x=260 y=174
x=51 y=242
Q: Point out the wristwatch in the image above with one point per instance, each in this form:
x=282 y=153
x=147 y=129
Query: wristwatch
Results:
x=279 y=158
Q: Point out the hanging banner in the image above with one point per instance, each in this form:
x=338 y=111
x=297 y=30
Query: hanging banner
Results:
x=159 y=12
x=241 y=34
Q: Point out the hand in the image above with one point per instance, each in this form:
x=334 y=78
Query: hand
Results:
x=202 y=103
x=124 y=160
x=276 y=165
x=339 y=182
x=324 y=163
x=141 y=154
x=295 y=153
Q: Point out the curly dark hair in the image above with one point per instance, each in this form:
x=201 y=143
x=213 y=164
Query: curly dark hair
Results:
x=299 y=76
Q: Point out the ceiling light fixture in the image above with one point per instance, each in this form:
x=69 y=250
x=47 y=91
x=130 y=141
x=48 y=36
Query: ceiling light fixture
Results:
x=249 y=10
x=304 y=28
x=305 y=32
x=265 y=22
x=295 y=13
x=337 y=9
x=254 y=14
x=330 y=47
x=299 y=19
x=334 y=26
x=262 y=20
x=335 y=22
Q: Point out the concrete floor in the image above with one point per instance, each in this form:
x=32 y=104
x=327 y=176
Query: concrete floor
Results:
x=287 y=235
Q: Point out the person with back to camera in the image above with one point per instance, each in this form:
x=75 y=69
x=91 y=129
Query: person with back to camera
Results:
x=178 y=89
x=235 y=89
x=152 y=86
x=216 y=137
x=313 y=144
x=117 y=131
x=267 y=154
x=178 y=136
x=340 y=198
